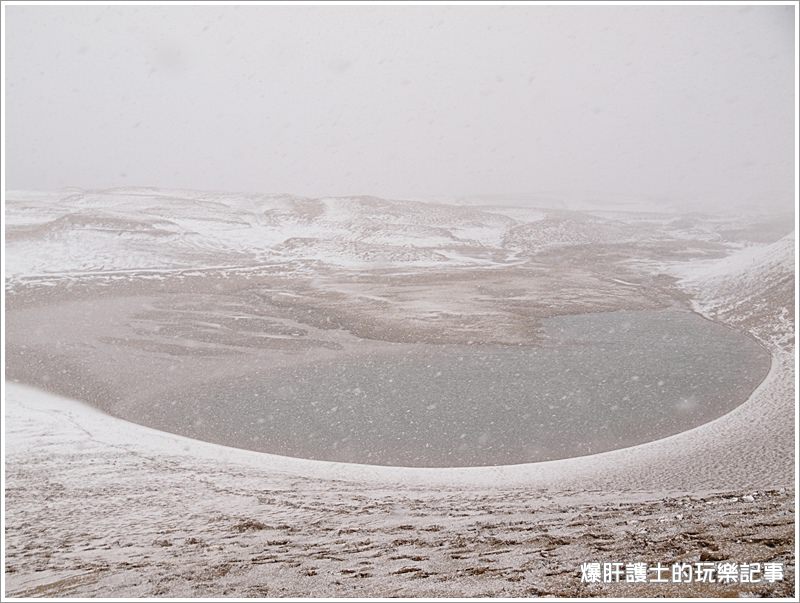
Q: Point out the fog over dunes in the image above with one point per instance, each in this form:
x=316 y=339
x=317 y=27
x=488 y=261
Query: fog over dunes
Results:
x=691 y=106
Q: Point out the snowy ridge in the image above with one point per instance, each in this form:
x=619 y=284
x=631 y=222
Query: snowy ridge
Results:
x=127 y=229
x=752 y=289
x=144 y=229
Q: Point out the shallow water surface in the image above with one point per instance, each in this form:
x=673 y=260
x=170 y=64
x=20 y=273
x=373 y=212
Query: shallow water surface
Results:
x=598 y=382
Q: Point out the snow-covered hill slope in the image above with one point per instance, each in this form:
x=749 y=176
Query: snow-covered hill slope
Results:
x=752 y=289
x=79 y=231
x=126 y=229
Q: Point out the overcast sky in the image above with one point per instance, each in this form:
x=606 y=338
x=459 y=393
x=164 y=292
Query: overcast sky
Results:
x=693 y=104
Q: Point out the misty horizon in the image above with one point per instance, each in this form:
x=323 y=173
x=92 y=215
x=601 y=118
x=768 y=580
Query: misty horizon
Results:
x=685 y=106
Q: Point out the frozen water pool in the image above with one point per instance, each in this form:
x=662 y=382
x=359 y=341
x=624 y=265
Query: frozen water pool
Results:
x=597 y=382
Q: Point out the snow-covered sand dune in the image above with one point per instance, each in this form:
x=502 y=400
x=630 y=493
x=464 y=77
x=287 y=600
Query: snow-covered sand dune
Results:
x=85 y=231
x=119 y=229
x=96 y=506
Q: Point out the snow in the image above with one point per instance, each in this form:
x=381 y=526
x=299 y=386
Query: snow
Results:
x=754 y=259
x=752 y=289
x=124 y=229
x=134 y=511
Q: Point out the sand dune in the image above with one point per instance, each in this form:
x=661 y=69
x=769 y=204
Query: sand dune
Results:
x=99 y=506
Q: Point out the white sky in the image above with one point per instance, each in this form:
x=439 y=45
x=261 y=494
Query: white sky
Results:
x=689 y=103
